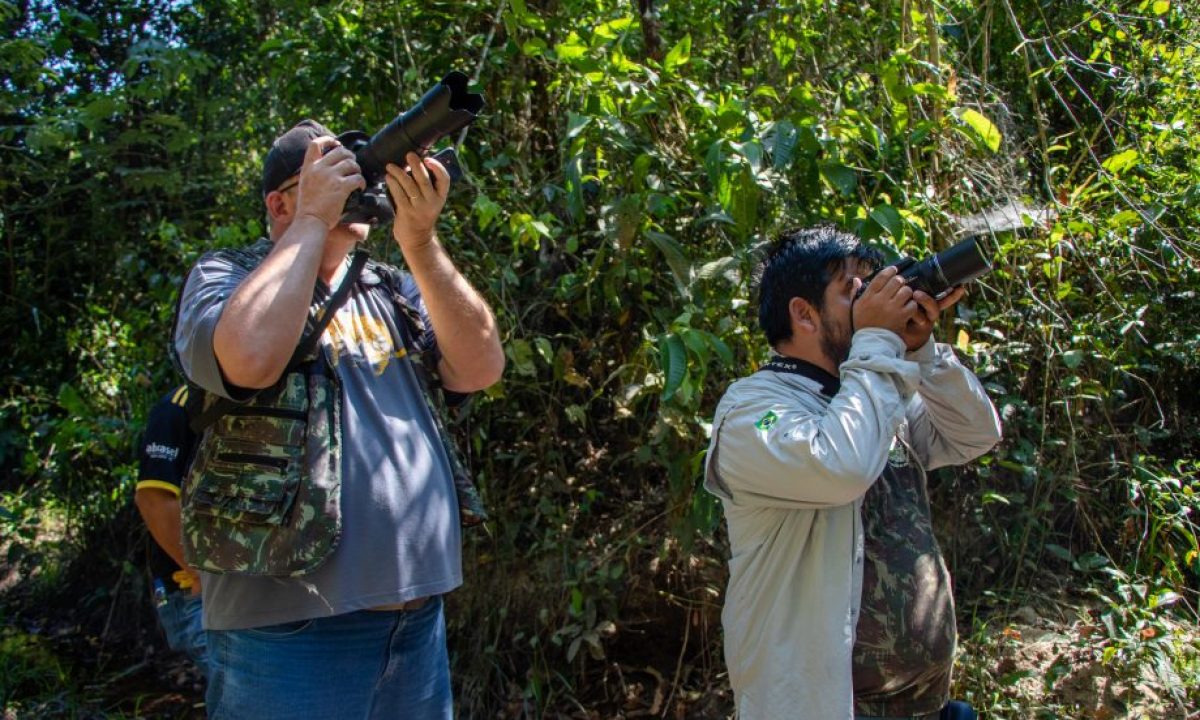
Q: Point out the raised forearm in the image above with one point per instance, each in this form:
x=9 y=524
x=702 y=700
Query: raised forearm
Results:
x=472 y=358
x=261 y=323
x=953 y=419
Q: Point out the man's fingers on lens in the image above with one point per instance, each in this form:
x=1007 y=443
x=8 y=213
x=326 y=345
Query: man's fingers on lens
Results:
x=929 y=306
x=418 y=170
x=886 y=284
x=952 y=297
x=398 y=194
x=441 y=176
x=408 y=186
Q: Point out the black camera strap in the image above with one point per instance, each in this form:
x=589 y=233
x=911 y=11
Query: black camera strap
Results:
x=308 y=343
x=830 y=384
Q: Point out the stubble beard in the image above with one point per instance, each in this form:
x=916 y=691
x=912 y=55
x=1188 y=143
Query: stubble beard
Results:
x=835 y=339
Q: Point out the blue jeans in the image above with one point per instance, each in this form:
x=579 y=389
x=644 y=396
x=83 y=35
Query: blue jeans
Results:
x=179 y=613
x=364 y=665
x=953 y=710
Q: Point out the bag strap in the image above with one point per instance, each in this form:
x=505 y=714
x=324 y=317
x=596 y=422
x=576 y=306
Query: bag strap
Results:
x=471 y=510
x=308 y=343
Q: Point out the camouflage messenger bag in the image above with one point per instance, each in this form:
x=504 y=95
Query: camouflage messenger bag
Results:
x=263 y=494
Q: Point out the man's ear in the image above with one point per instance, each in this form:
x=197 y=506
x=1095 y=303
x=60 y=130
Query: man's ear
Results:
x=277 y=208
x=804 y=317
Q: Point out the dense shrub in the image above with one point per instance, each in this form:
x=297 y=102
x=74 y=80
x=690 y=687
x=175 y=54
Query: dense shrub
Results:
x=633 y=159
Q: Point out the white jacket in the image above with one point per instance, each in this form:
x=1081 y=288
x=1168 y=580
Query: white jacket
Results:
x=791 y=466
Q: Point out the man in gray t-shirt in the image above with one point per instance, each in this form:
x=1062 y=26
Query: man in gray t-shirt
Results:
x=362 y=635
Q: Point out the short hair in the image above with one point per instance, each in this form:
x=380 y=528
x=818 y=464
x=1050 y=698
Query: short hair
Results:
x=801 y=263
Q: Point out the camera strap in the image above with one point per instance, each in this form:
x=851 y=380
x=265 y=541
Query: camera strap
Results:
x=830 y=384
x=308 y=343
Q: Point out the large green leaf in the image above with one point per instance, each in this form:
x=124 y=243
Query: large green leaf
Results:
x=672 y=357
x=783 y=147
x=843 y=178
x=889 y=219
x=681 y=267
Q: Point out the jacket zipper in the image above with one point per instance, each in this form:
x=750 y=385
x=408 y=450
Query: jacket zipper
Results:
x=271 y=412
x=280 y=464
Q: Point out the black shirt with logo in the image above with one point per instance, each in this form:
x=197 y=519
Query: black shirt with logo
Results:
x=163 y=458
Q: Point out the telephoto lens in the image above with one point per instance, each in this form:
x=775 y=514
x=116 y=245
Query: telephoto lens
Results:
x=940 y=273
x=446 y=108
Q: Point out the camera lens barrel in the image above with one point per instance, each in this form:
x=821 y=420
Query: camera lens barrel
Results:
x=962 y=263
x=446 y=108
x=953 y=266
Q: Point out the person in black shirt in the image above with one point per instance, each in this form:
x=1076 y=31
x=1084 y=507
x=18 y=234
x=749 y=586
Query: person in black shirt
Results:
x=166 y=451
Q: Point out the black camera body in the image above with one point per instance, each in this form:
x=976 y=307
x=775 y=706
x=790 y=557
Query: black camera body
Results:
x=446 y=108
x=940 y=273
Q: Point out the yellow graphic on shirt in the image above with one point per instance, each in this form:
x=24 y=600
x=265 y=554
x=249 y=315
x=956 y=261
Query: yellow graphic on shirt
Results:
x=362 y=339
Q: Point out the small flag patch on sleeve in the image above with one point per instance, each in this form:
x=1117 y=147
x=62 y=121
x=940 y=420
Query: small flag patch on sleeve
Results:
x=766 y=422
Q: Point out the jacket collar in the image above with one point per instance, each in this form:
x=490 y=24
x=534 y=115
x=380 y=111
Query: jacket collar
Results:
x=830 y=384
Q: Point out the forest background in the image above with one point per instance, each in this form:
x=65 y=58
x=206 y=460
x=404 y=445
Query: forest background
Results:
x=633 y=159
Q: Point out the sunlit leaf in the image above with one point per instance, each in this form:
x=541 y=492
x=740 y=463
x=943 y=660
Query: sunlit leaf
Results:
x=678 y=55
x=485 y=210
x=725 y=267
x=571 y=48
x=1122 y=161
x=990 y=496
x=534 y=47
x=983 y=129
x=610 y=30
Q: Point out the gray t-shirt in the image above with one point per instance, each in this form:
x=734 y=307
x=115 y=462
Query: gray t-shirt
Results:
x=400 y=529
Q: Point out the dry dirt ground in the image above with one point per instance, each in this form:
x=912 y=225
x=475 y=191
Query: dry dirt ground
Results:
x=1034 y=668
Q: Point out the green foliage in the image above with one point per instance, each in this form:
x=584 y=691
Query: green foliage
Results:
x=28 y=668
x=628 y=171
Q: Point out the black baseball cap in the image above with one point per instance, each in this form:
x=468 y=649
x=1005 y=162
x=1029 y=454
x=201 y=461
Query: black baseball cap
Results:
x=286 y=156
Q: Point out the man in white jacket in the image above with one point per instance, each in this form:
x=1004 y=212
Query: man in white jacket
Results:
x=854 y=385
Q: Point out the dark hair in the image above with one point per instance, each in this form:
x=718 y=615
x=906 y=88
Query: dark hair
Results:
x=800 y=264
